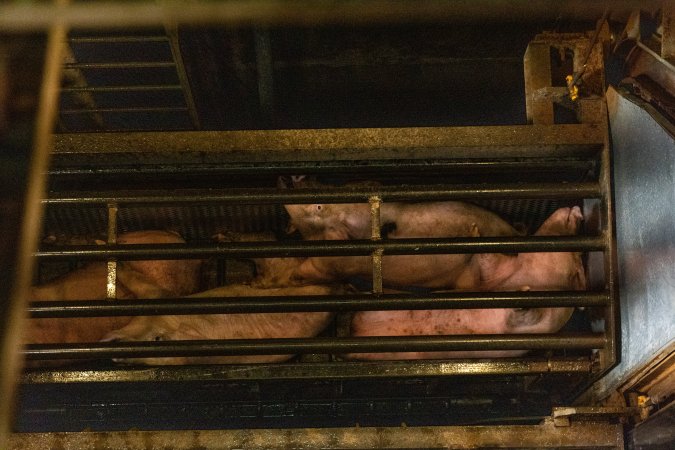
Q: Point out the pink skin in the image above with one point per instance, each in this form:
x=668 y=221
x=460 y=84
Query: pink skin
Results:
x=227 y=326
x=270 y=272
x=411 y=220
x=525 y=271
x=136 y=279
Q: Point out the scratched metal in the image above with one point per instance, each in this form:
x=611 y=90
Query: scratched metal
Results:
x=644 y=164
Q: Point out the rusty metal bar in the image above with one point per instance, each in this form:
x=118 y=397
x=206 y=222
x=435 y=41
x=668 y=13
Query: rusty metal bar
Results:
x=111 y=278
x=354 y=302
x=519 y=141
x=34 y=16
x=197 y=348
x=375 y=236
x=361 y=247
x=578 y=436
x=565 y=191
x=172 y=33
x=35 y=182
x=333 y=370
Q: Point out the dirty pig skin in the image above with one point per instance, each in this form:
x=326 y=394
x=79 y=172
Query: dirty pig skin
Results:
x=136 y=279
x=405 y=220
x=498 y=272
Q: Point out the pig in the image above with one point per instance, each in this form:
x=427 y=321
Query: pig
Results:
x=402 y=220
x=228 y=326
x=136 y=279
x=269 y=272
x=499 y=272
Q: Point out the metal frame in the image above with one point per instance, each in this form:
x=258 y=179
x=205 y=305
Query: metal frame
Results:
x=599 y=435
x=550 y=141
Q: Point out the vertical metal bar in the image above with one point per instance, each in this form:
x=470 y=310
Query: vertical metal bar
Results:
x=609 y=355
x=111 y=285
x=668 y=35
x=264 y=64
x=375 y=203
x=30 y=225
x=172 y=32
x=537 y=68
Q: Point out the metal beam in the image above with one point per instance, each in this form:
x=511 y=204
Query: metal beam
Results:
x=335 y=370
x=598 y=435
x=20 y=16
x=520 y=141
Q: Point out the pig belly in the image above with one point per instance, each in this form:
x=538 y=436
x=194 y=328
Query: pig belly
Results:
x=401 y=271
x=431 y=322
x=227 y=326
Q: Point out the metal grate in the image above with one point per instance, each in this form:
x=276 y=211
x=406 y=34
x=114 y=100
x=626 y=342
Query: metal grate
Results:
x=125 y=82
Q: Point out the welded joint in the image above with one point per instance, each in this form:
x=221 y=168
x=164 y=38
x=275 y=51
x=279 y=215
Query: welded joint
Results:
x=111 y=271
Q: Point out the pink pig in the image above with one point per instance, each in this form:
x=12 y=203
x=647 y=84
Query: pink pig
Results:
x=406 y=220
x=136 y=279
x=498 y=272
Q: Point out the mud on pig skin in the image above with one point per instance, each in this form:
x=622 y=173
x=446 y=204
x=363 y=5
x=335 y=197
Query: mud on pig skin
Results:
x=135 y=279
x=406 y=220
x=499 y=272
x=228 y=326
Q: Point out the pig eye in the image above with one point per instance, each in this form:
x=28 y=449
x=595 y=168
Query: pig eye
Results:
x=318 y=207
x=158 y=337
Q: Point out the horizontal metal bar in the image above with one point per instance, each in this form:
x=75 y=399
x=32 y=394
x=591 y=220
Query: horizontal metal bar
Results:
x=333 y=194
x=197 y=348
x=577 y=435
x=123 y=110
x=479 y=142
x=331 y=370
x=115 y=39
x=330 y=167
x=361 y=302
x=120 y=65
x=360 y=247
x=34 y=16
x=135 y=88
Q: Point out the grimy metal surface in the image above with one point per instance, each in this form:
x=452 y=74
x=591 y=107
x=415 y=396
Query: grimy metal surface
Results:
x=334 y=370
x=344 y=144
x=577 y=436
